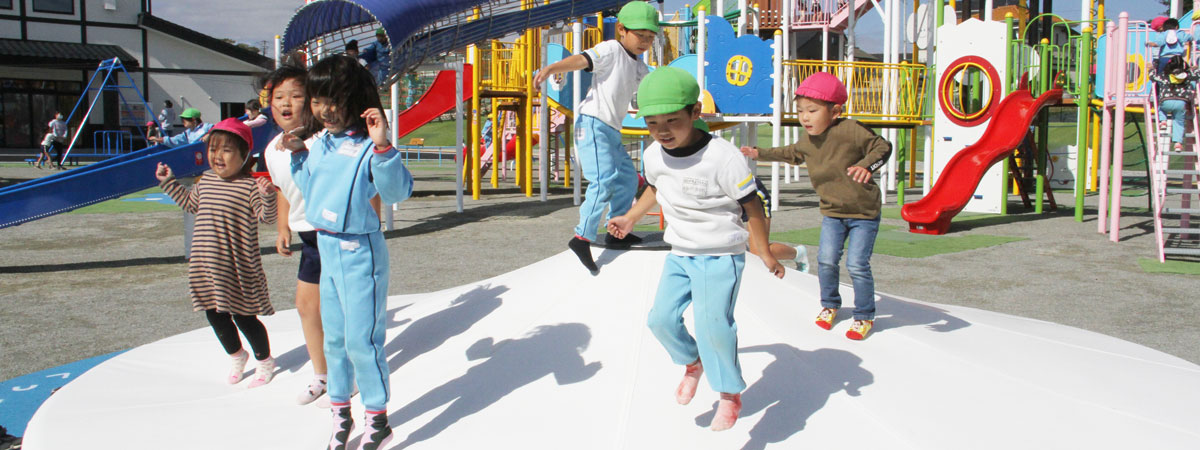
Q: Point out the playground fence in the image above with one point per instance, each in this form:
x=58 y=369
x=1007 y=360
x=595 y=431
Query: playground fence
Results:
x=878 y=92
x=501 y=66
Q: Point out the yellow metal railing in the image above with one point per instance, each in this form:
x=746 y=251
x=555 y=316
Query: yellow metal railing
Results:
x=502 y=64
x=878 y=92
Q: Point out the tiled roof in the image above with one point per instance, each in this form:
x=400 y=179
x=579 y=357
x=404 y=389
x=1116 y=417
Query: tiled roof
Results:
x=18 y=52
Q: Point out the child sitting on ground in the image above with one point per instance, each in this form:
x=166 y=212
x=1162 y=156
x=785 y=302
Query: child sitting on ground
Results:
x=703 y=185
x=225 y=272
x=841 y=156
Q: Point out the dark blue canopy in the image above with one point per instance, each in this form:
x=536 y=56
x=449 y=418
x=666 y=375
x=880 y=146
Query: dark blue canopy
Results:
x=407 y=23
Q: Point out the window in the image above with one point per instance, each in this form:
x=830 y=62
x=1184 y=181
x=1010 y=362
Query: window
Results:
x=236 y=109
x=6 y=4
x=54 y=6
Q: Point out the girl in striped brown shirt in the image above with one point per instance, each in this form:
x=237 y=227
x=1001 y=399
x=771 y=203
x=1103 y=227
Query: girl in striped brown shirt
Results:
x=225 y=273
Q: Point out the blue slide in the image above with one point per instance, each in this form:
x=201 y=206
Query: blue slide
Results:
x=106 y=180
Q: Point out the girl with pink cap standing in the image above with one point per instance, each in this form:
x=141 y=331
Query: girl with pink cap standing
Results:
x=225 y=273
x=842 y=154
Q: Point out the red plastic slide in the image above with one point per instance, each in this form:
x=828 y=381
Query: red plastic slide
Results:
x=433 y=103
x=960 y=177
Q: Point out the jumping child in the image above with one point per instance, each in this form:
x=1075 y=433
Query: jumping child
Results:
x=841 y=156
x=351 y=161
x=703 y=185
x=289 y=107
x=616 y=69
x=225 y=273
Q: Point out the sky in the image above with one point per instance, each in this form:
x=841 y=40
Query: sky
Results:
x=253 y=21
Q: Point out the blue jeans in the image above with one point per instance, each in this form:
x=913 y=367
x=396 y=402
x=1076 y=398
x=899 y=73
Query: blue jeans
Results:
x=861 y=233
x=710 y=284
x=1178 y=110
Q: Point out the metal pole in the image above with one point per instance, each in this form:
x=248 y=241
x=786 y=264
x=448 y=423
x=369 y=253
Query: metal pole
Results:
x=577 y=37
x=544 y=142
x=458 y=137
x=1085 y=62
x=1106 y=129
x=776 y=118
x=1118 y=154
x=278 y=56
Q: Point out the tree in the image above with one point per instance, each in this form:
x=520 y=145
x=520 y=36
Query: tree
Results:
x=242 y=46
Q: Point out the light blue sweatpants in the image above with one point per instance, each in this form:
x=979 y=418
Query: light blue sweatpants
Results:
x=354 y=283
x=612 y=180
x=710 y=284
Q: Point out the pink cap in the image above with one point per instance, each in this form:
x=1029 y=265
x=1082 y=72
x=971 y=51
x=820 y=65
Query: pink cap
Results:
x=149 y=124
x=823 y=86
x=1157 y=23
x=238 y=128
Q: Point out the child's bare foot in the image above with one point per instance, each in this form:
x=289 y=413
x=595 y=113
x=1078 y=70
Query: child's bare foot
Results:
x=687 y=387
x=727 y=411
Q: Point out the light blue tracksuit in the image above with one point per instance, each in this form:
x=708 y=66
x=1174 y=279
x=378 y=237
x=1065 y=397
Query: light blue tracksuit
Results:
x=338 y=177
x=188 y=136
x=612 y=180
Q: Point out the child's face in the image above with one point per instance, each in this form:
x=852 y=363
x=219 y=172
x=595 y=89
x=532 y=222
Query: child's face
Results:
x=223 y=155
x=190 y=123
x=329 y=114
x=635 y=41
x=816 y=116
x=287 y=104
x=674 y=130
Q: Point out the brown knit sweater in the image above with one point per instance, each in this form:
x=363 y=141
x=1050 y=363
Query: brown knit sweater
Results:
x=844 y=144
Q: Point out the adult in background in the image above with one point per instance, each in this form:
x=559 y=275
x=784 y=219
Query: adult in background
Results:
x=58 y=128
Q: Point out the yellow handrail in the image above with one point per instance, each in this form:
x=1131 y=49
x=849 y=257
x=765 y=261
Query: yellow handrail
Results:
x=877 y=91
x=502 y=63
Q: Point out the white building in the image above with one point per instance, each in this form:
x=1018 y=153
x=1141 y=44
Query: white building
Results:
x=50 y=48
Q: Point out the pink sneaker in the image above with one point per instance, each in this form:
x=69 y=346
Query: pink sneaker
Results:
x=727 y=411
x=343 y=424
x=264 y=373
x=687 y=386
x=237 y=371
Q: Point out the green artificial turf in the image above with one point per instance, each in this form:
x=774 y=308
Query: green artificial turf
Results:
x=117 y=205
x=895 y=241
x=1151 y=265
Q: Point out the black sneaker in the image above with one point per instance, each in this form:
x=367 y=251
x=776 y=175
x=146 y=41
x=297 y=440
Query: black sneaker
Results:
x=625 y=243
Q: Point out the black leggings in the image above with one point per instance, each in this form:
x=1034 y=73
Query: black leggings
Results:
x=227 y=333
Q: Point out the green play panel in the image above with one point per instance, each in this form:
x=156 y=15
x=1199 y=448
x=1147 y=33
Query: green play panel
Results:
x=1151 y=265
x=895 y=241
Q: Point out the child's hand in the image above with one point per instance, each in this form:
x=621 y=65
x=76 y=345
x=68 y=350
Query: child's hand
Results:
x=539 y=78
x=377 y=126
x=283 y=243
x=773 y=264
x=620 y=226
x=291 y=142
x=264 y=186
x=751 y=152
x=859 y=174
x=163 y=172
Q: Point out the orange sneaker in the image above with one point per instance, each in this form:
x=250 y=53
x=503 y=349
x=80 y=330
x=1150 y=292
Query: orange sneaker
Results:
x=859 y=330
x=825 y=318
x=727 y=412
x=687 y=386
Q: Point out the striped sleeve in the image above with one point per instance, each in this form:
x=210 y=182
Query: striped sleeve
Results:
x=184 y=197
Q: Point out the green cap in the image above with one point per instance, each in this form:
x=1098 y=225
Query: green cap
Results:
x=379 y=31
x=638 y=15
x=666 y=90
x=190 y=113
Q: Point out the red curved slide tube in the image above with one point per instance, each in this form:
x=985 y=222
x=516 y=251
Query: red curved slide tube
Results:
x=960 y=177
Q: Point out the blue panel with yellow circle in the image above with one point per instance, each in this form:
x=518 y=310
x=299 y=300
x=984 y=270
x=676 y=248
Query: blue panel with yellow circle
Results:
x=559 y=87
x=738 y=73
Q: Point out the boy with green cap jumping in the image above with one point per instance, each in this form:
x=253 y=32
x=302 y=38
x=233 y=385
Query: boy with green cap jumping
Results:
x=194 y=130
x=616 y=71
x=703 y=184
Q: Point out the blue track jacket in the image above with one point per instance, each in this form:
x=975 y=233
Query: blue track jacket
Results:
x=341 y=173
